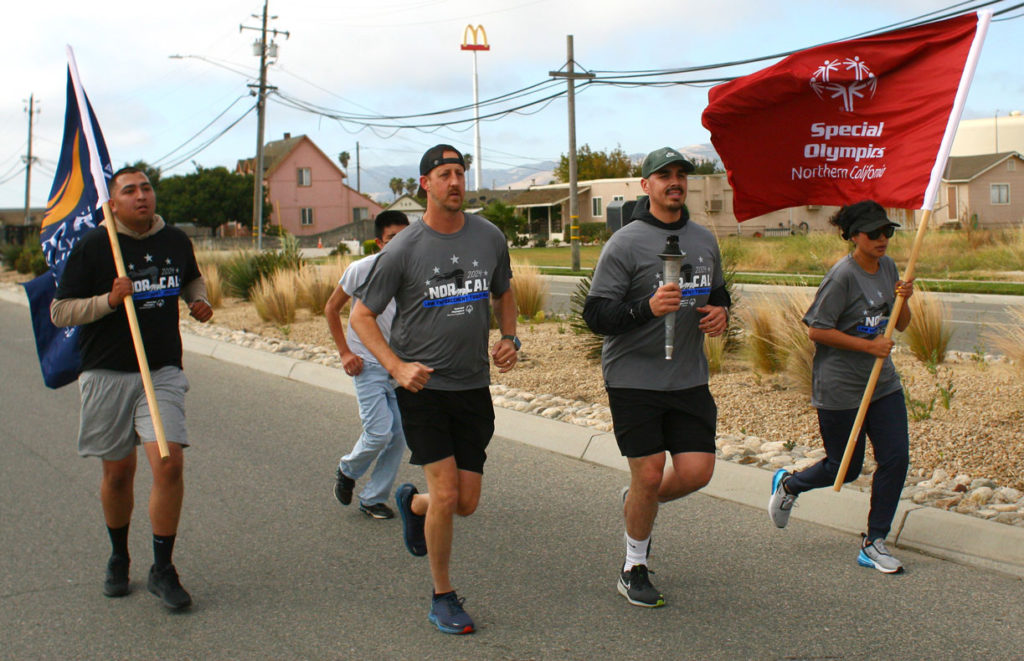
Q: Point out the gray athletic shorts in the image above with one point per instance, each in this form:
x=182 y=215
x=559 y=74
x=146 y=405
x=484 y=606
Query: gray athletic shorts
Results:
x=115 y=416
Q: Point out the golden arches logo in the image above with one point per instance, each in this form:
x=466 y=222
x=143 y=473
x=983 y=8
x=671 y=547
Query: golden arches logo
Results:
x=477 y=33
x=66 y=200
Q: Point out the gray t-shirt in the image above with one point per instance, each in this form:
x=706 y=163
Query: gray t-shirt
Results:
x=629 y=269
x=351 y=279
x=857 y=303
x=442 y=284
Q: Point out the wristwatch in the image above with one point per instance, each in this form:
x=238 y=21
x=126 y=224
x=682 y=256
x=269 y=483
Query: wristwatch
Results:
x=515 y=341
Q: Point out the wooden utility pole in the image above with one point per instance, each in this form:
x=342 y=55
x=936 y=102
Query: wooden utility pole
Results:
x=571 y=76
x=28 y=161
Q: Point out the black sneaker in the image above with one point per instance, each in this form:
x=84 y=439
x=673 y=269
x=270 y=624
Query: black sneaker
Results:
x=343 y=487
x=412 y=524
x=636 y=587
x=164 y=583
x=116 y=584
x=447 y=614
x=377 y=511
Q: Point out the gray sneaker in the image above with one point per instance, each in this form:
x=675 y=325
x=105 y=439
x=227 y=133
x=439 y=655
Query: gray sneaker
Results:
x=876 y=555
x=781 y=504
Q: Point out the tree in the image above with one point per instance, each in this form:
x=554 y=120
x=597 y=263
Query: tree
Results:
x=208 y=197
x=344 y=158
x=504 y=216
x=153 y=173
x=397 y=185
x=468 y=159
x=592 y=164
x=706 y=166
x=411 y=185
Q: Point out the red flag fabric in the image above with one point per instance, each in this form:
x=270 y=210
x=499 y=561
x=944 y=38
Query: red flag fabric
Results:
x=843 y=122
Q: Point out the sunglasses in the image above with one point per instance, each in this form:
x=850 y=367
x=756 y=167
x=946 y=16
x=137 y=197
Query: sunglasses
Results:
x=888 y=231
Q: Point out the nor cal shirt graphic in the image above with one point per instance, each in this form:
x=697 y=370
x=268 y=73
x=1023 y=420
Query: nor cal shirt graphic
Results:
x=154 y=280
x=874 y=316
x=455 y=286
x=694 y=281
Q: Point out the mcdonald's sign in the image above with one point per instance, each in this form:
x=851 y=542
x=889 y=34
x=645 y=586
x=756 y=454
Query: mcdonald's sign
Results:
x=478 y=32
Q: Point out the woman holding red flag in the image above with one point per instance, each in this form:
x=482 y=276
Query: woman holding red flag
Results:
x=847 y=322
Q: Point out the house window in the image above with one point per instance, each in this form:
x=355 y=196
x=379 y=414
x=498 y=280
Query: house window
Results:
x=596 y=208
x=618 y=198
x=305 y=177
x=1011 y=165
x=307 y=215
x=1000 y=193
x=360 y=213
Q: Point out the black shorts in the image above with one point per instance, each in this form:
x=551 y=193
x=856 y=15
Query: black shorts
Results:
x=651 y=421
x=447 y=423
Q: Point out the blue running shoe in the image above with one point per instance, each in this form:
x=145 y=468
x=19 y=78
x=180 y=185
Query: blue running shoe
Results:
x=876 y=556
x=447 y=614
x=780 y=505
x=412 y=524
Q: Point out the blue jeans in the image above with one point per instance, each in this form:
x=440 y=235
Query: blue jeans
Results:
x=886 y=425
x=382 y=438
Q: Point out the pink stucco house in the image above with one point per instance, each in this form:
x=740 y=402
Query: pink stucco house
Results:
x=306 y=188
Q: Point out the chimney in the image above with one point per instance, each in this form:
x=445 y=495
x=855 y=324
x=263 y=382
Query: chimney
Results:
x=287 y=136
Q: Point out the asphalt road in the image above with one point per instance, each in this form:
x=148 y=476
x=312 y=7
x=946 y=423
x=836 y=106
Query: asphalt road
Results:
x=971 y=315
x=278 y=569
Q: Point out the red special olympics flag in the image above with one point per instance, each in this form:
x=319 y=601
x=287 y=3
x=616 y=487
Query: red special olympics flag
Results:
x=869 y=118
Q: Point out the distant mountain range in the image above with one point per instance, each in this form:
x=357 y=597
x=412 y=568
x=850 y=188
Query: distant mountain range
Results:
x=374 y=180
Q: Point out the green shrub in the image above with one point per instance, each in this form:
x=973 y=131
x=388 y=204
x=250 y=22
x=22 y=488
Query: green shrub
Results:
x=340 y=249
x=38 y=264
x=370 y=247
x=594 y=232
x=23 y=264
x=590 y=342
x=9 y=253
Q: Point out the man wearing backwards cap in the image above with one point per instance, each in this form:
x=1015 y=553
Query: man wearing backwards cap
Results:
x=658 y=405
x=442 y=273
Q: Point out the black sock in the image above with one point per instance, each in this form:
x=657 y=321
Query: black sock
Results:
x=163 y=547
x=438 y=596
x=118 y=541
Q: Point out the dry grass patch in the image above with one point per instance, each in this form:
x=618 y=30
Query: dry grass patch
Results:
x=313 y=288
x=276 y=298
x=1009 y=338
x=531 y=290
x=929 y=331
x=714 y=351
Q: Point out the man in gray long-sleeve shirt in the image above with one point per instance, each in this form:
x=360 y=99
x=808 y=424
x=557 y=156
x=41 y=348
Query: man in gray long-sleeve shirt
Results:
x=658 y=405
x=115 y=416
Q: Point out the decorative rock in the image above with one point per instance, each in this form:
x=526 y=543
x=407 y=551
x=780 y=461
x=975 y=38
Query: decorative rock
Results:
x=946 y=503
x=805 y=463
x=939 y=475
x=982 y=482
x=773 y=446
x=552 y=412
x=816 y=453
x=980 y=496
x=1007 y=495
x=780 y=460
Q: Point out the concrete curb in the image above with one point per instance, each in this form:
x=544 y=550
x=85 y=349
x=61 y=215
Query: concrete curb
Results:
x=957 y=537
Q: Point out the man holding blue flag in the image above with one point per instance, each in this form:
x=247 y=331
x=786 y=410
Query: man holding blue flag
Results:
x=115 y=415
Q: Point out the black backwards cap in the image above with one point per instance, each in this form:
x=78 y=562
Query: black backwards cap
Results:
x=435 y=157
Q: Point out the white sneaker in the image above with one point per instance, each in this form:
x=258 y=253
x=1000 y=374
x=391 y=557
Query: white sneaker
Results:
x=876 y=555
x=781 y=503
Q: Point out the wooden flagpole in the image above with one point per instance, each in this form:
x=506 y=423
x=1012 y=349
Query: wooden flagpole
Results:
x=133 y=323
x=869 y=390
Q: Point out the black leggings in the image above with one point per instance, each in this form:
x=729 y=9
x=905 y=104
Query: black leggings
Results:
x=886 y=425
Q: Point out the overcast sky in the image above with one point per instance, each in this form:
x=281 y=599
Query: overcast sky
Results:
x=397 y=57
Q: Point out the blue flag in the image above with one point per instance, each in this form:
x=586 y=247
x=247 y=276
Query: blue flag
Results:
x=74 y=208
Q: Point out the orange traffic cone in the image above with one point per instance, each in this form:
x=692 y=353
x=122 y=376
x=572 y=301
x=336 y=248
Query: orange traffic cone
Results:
x=319 y=242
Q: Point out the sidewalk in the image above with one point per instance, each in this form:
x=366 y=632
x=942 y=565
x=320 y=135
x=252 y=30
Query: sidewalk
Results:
x=943 y=534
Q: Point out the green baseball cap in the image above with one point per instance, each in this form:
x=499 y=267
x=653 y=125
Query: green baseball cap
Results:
x=659 y=158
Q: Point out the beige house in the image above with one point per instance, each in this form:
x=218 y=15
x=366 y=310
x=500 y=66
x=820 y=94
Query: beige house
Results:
x=985 y=191
x=709 y=200
x=408 y=205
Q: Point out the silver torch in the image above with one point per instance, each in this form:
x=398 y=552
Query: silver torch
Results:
x=672 y=260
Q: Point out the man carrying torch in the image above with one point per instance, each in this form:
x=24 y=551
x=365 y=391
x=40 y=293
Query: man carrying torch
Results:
x=658 y=405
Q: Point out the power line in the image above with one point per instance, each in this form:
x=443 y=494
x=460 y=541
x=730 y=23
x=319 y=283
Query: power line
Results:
x=166 y=156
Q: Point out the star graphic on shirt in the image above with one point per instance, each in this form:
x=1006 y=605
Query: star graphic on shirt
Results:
x=131 y=267
x=870 y=302
x=427 y=283
x=700 y=259
x=879 y=293
x=436 y=270
x=149 y=258
x=476 y=263
x=455 y=260
x=168 y=261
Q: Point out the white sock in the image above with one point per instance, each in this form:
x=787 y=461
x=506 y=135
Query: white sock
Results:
x=636 y=552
